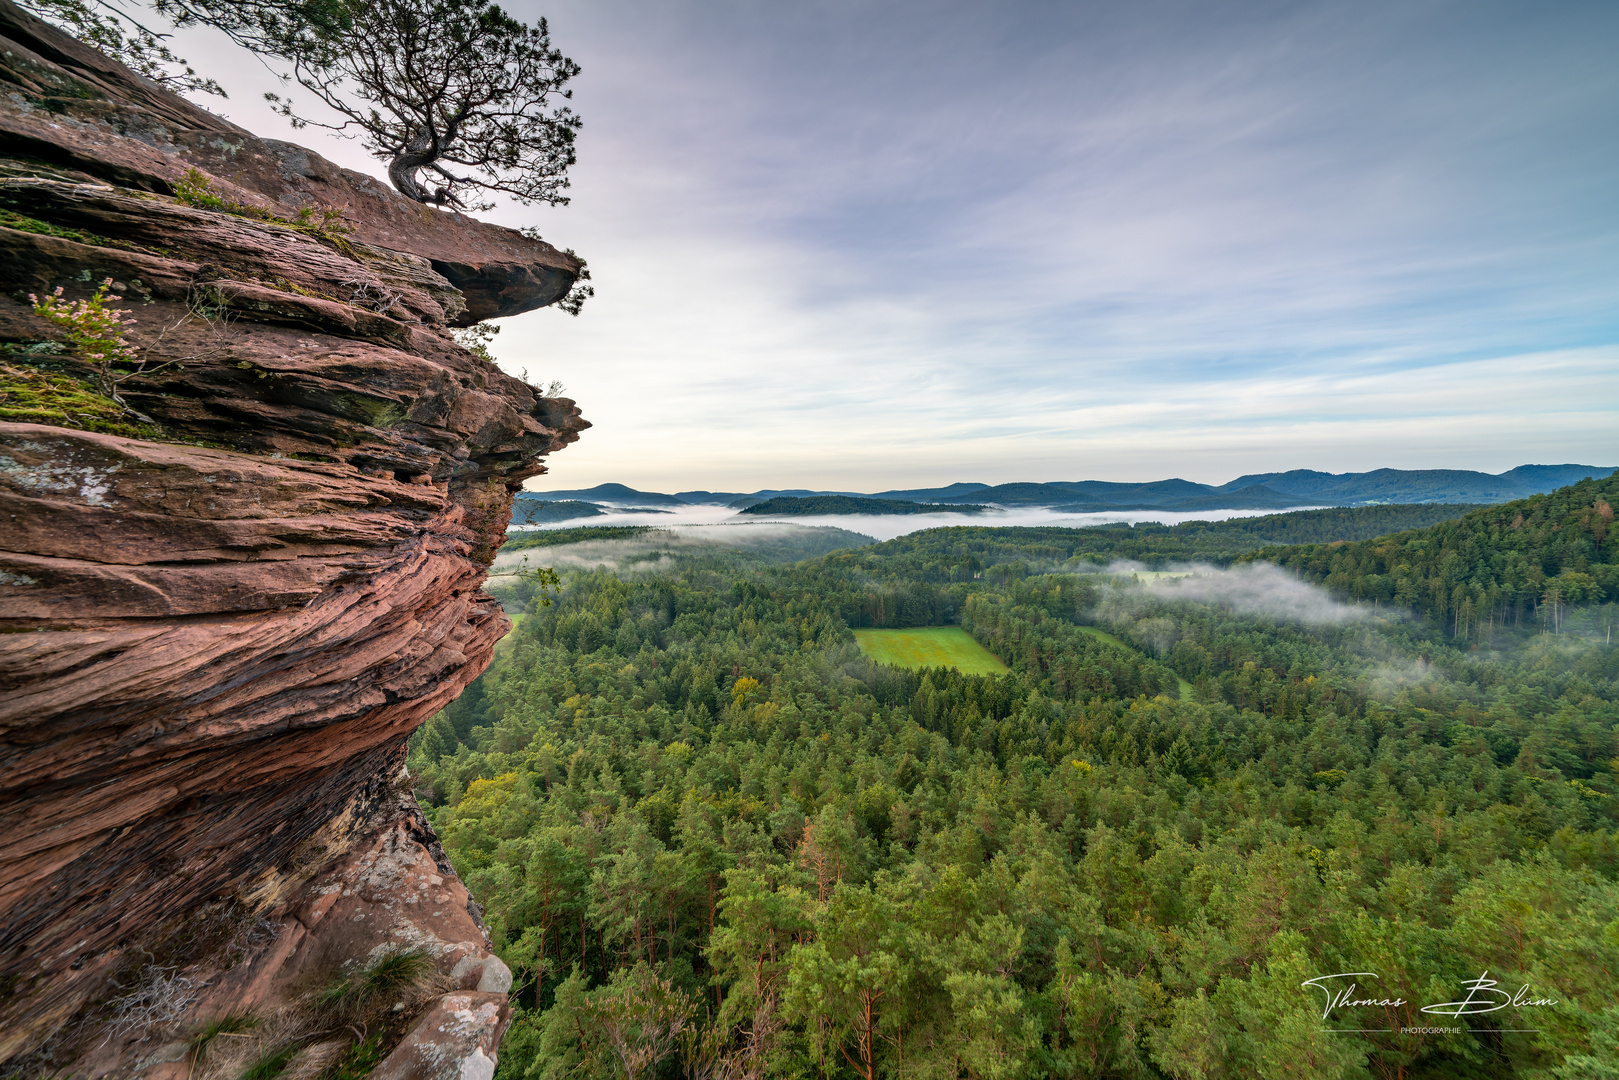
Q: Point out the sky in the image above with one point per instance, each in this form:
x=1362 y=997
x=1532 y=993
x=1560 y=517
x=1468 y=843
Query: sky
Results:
x=862 y=245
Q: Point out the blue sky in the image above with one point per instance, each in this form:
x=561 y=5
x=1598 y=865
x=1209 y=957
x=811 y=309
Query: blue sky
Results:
x=866 y=245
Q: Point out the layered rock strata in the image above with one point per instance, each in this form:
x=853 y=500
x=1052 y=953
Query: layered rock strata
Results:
x=223 y=617
x=369 y=883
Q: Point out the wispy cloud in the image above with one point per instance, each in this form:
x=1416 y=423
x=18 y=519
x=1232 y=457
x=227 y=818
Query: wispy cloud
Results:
x=843 y=244
x=1257 y=589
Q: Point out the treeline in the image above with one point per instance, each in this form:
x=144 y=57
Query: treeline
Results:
x=797 y=506
x=714 y=840
x=967 y=553
x=1521 y=563
x=537 y=512
x=1319 y=526
x=540 y=538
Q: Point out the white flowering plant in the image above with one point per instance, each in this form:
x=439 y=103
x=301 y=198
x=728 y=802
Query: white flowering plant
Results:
x=95 y=329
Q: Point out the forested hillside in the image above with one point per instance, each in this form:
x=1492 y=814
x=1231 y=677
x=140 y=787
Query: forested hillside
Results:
x=715 y=841
x=794 y=506
x=1494 y=567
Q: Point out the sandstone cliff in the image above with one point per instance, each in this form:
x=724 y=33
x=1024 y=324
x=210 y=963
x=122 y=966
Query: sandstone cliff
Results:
x=226 y=609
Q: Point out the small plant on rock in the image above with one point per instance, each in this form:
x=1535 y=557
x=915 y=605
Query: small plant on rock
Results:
x=31 y=396
x=271 y=1063
x=155 y=997
x=225 y=1025
x=95 y=328
x=357 y=1061
x=324 y=219
x=395 y=974
x=574 y=302
x=392 y=976
x=195 y=189
x=476 y=339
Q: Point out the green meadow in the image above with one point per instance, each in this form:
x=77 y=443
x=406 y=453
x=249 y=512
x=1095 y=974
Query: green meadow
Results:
x=930 y=646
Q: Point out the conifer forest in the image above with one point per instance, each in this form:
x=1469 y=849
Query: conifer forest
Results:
x=713 y=839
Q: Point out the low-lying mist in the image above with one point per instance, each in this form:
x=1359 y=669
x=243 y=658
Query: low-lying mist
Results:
x=655 y=549
x=1252 y=589
x=888 y=526
x=1384 y=651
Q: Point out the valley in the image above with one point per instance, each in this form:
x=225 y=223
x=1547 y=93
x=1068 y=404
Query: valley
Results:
x=735 y=782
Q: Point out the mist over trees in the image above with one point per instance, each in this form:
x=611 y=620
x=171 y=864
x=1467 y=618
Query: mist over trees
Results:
x=1498 y=566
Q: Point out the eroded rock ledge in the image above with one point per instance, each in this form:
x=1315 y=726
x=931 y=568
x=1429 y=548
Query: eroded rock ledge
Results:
x=220 y=625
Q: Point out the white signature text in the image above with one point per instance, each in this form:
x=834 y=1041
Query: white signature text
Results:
x=1483 y=995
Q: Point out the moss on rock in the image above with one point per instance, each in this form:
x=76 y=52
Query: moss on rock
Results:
x=31 y=396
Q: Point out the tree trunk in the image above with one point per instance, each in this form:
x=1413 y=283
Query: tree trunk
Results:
x=402 y=174
x=422 y=150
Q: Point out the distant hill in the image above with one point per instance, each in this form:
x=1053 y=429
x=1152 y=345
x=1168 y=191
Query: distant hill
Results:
x=1255 y=491
x=1421 y=485
x=1093 y=495
x=1301 y=487
x=1545 y=478
x=1428 y=485
x=1296 y=482
x=734 y=498
x=531 y=508
x=611 y=494
x=1152 y=492
x=1252 y=497
x=1026 y=495
x=931 y=494
x=790 y=506
x=1517 y=564
x=716 y=498
x=538 y=512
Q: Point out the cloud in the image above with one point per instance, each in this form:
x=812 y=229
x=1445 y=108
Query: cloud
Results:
x=851 y=245
x=1255 y=589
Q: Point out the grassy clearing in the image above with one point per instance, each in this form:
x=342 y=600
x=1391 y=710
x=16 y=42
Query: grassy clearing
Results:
x=1103 y=635
x=930 y=646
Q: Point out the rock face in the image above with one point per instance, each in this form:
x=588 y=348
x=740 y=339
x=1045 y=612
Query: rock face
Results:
x=368 y=883
x=222 y=618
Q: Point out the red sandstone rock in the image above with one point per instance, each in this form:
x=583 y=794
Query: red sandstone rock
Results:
x=211 y=641
x=370 y=882
x=456 y=1040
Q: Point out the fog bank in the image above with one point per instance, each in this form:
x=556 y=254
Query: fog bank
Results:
x=888 y=526
x=1252 y=589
